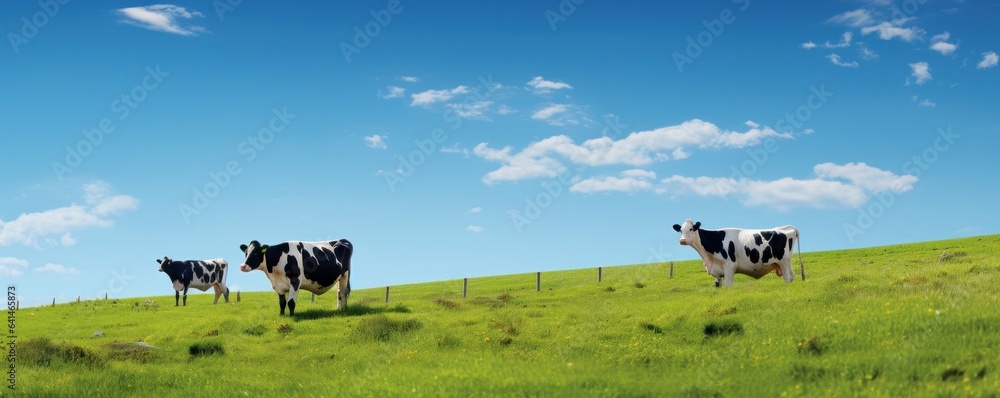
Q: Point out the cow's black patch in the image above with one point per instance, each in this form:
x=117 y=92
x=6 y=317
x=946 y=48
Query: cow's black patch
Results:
x=199 y=270
x=777 y=245
x=712 y=240
x=757 y=239
x=292 y=271
x=766 y=256
x=754 y=255
x=324 y=269
x=732 y=250
x=273 y=255
x=210 y=267
x=766 y=234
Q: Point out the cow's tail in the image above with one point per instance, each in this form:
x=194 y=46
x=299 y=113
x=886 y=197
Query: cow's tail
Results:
x=802 y=266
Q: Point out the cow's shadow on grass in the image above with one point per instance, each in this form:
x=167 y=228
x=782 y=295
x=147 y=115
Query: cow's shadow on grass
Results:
x=350 y=311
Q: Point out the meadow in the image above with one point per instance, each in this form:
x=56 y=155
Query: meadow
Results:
x=909 y=320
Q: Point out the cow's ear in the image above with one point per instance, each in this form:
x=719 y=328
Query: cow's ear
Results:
x=263 y=249
x=696 y=226
x=158 y=261
x=243 y=248
x=677 y=228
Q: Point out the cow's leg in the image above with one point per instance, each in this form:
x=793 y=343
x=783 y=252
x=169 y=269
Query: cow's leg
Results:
x=281 y=304
x=343 y=290
x=717 y=283
x=218 y=292
x=292 y=296
x=177 y=298
x=729 y=272
x=226 y=293
x=185 y=296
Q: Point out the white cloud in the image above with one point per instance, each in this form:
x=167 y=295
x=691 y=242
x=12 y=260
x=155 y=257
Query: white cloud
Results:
x=505 y=110
x=989 y=60
x=921 y=71
x=785 y=193
x=30 y=228
x=835 y=59
x=541 y=86
x=630 y=181
x=394 y=92
x=471 y=110
x=866 y=53
x=475 y=210
x=940 y=44
x=538 y=159
x=431 y=96
x=474 y=228
x=890 y=30
x=808 y=45
x=57 y=269
x=856 y=18
x=639 y=173
x=751 y=124
x=10 y=266
x=455 y=149
x=375 y=142
x=927 y=103
x=870 y=178
x=549 y=111
x=162 y=17
x=409 y=79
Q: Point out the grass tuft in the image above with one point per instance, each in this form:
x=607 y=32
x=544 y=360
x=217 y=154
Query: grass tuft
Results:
x=201 y=349
x=447 y=304
x=42 y=352
x=284 y=328
x=381 y=328
x=811 y=345
x=255 y=330
x=651 y=327
x=129 y=351
x=722 y=328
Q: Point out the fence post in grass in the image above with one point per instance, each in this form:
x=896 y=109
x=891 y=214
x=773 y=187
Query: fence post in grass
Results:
x=313 y=298
x=671 y=269
x=598 y=274
x=802 y=268
x=237 y=296
x=17 y=306
x=105 y=295
x=387 y=294
x=53 y=301
x=465 y=286
x=538 y=281
x=78 y=299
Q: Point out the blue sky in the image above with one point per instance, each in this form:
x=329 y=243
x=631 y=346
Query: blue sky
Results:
x=467 y=139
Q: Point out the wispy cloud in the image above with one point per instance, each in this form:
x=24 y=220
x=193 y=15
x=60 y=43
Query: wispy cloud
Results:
x=409 y=79
x=471 y=110
x=855 y=18
x=989 y=60
x=894 y=29
x=57 y=269
x=375 y=142
x=429 y=97
x=541 y=86
x=866 y=53
x=12 y=267
x=455 y=149
x=835 y=59
x=474 y=229
x=827 y=190
x=475 y=210
x=921 y=71
x=560 y=115
x=940 y=44
x=541 y=159
x=163 y=18
x=630 y=181
x=56 y=226
x=393 y=92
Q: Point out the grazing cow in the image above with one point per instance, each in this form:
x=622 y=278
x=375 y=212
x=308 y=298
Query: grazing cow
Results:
x=199 y=274
x=752 y=252
x=311 y=266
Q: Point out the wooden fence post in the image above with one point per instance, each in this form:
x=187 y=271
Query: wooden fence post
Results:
x=313 y=298
x=105 y=295
x=53 y=301
x=802 y=268
x=237 y=296
x=465 y=287
x=387 y=294
x=17 y=306
x=671 y=269
x=77 y=299
x=598 y=274
x=538 y=281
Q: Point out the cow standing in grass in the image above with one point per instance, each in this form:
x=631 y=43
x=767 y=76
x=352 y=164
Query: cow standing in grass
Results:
x=754 y=252
x=312 y=266
x=199 y=274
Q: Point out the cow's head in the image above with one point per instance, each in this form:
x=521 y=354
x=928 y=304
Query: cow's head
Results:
x=254 y=256
x=689 y=232
x=164 y=263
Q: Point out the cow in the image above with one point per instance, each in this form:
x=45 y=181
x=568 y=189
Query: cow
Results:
x=729 y=251
x=199 y=274
x=311 y=266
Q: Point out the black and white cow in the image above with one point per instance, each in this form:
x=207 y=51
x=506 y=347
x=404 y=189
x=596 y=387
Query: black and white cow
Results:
x=199 y=274
x=754 y=252
x=311 y=266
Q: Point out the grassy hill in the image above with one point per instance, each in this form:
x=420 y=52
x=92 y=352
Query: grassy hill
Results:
x=918 y=319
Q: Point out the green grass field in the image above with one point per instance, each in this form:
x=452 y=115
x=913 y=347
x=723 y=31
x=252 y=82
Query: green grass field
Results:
x=909 y=320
